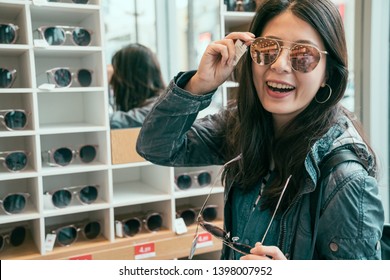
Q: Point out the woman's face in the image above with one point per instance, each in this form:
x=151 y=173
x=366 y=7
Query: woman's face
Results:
x=283 y=91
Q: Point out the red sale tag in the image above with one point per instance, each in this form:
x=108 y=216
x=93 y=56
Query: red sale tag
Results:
x=144 y=251
x=204 y=240
x=85 y=257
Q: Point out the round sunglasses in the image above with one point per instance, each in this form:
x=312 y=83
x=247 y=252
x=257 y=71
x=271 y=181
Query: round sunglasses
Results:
x=14 y=203
x=62 y=198
x=304 y=58
x=131 y=226
x=185 y=181
x=64 y=156
x=64 y=77
x=8 y=33
x=14 y=161
x=13 y=119
x=67 y=235
x=14 y=236
x=189 y=215
x=56 y=35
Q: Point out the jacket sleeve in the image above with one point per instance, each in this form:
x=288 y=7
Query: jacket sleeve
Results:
x=352 y=220
x=172 y=135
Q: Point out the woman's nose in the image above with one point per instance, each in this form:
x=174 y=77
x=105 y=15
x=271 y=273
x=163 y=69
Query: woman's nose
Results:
x=282 y=63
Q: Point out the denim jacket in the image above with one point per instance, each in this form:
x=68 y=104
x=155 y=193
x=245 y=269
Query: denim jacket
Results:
x=352 y=217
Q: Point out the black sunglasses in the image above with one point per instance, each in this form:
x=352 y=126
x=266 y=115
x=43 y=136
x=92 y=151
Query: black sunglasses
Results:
x=14 y=161
x=13 y=119
x=8 y=33
x=14 y=236
x=132 y=225
x=64 y=156
x=189 y=214
x=14 y=203
x=56 y=35
x=63 y=76
x=67 y=235
x=86 y=194
x=185 y=181
x=7 y=77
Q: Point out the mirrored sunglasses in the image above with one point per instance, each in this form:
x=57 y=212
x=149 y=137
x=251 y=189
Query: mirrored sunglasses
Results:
x=132 y=225
x=14 y=236
x=13 y=119
x=14 y=203
x=64 y=156
x=189 y=214
x=56 y=35
x=67 y=235
x=7 y=77
x=8 y=33
x=72 y=1
x=14 y=161
x=187 y=180
x=64 y=77
x=62 y=198
x=304 y=58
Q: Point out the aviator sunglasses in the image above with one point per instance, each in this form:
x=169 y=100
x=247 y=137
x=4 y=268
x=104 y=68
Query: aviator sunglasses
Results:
x=14 y=236
x=14 y=203
x=56 y=35
x=8 y=33
x=304 y=58
x=7 y=77
x=220 y=233
x=67 y=235
x=64 y=156
x=86 y=194
x=132 y=225
x=63 y=76
x=185 y=181
x=14 y=161
x=13 y=119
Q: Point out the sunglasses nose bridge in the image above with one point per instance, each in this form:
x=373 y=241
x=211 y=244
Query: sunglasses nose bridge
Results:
x=282 y=62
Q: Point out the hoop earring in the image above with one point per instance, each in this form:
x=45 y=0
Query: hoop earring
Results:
x=324 y=101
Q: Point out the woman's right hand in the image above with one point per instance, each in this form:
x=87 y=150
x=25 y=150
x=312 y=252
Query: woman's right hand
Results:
x=217 y=63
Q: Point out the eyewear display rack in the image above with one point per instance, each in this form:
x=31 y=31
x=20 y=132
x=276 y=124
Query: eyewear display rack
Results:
x=232 y=21
x=73 y=117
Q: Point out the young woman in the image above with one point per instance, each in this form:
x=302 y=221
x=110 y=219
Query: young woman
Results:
x=287 y=118
x=136 y=82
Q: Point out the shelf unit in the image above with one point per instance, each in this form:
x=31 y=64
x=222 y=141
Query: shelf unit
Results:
x=72 y=117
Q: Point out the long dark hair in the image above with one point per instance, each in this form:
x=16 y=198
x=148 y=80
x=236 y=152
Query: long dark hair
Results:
x=137 y=76
x=251 y=130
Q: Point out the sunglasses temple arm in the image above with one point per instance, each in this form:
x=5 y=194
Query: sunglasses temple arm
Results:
x=234 y=248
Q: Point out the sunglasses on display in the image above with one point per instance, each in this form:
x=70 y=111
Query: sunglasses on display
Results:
x=14 y=161
x=131 y=226
x=63 y=77
x=209 y=213
x=62 y=198
x=304 y=58
x=73 y=1
x=14 y=236
x=67 y=235
x=7 y=77
x=186 y=180
x=14 y=203
x=64 y=156
x=13 y=119
x=8 y=33
x=56 y=35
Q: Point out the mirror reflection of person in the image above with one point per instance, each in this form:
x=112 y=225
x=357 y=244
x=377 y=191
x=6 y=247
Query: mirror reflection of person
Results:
x=136 y=81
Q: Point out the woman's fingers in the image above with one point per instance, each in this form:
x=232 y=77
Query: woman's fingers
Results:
x=260 y=252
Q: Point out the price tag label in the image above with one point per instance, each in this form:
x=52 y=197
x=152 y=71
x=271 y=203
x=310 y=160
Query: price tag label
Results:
x=180 y=226
x=144 y=251
x=204 y=240
x=84 y=257
x=50 y=241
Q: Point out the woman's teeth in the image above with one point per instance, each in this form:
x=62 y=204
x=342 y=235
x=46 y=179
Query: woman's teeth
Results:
x=279 y=87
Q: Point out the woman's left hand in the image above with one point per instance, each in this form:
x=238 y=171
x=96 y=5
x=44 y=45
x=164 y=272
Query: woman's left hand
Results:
x=260 y=252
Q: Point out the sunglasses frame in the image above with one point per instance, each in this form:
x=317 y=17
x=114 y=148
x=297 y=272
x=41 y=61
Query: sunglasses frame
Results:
x=74 y=191
x=24 y=195
x=143 y=222
x=194 y=175
x=7 y=153
x=79 y=227
x=48 y=156
x=67 y=30
x=281 y=47
x=13 y=76
x=73 y=73
x=15 y=29
x=195 y=211
x=3 y=113
x=6 y=235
